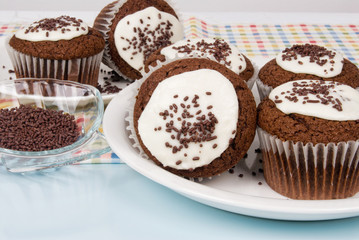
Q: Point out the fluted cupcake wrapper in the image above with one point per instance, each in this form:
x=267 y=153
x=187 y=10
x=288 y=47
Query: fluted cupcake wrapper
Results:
x=83 y=70
x=306 y=171
x=263 y=89
x=103 y=24
x=253 y=79
x=129 y=119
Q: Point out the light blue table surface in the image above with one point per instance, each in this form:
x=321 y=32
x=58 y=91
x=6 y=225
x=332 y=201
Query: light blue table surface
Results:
x=112 y=201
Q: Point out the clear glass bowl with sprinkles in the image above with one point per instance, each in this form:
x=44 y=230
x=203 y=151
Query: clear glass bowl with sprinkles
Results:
x=47 y=123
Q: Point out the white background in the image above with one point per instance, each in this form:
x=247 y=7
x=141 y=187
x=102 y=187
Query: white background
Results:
x=342 y=6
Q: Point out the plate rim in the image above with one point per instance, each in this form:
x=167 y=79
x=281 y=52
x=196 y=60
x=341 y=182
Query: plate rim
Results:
x=279 y=209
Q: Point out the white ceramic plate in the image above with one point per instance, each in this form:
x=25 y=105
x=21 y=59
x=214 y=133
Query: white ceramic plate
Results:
x=243 y=195
x=5 y=66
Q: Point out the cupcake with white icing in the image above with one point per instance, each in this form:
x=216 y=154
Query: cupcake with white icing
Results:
x=64 y=48
x=134 y=29
x=309 y=135
x=217 y=50
x=306 y=61
x=194 y=117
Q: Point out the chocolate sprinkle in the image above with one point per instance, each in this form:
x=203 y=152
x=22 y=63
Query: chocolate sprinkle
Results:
x=219 y=49
x=26 y=128
x=54 y=24
x=191 y=128
x=314 y=52
x=318 y=89
x=146 y=41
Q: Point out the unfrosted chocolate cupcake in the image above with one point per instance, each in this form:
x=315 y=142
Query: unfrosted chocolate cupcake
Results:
x=306 y=61
x=215 y=49
x=63 y=48
x=194 y=117
x=133 y=29
x=309 y=135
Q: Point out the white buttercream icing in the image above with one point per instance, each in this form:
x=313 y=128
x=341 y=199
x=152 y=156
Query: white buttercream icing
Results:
x=323 y=99
x=53 y=29
x=215 y=49
x=174 y=99
x=311 y=59
x=139 y=34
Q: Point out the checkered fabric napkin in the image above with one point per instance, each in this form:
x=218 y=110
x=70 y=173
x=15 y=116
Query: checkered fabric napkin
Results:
x=257 y=40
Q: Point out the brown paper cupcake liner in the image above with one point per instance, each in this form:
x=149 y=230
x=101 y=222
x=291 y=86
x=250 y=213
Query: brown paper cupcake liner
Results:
x=307 y=171
x=82 y=70
x=103 y=25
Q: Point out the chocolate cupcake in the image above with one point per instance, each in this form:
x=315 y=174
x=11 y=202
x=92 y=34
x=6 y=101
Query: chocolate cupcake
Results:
x=194 y=117
x=309 y=135
x=133 y=29
x=215 y=49
x=306 y=62
x=62 y=48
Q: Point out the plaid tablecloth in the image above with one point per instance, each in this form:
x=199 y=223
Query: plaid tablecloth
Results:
x=257 y=40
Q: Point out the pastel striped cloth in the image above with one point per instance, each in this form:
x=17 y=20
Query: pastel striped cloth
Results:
x=264 y=39
x=258 y=40
x=267 y=40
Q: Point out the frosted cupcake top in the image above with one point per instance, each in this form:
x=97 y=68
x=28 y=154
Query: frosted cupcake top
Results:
x=53 y=29
x=323 y=99
x=311 y=59
x=190 y=119
x=214 y=49
x=139 y=34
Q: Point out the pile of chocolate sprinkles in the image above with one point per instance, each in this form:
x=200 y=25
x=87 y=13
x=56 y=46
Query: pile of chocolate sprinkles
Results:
x=219 y=49
x=147 y=41
x=26 y=128
x=316 y=54
x=54 y=24
x=196 y=127
x=318 y=89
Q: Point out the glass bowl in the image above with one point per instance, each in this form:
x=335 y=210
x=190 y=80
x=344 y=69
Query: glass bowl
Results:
x=84 y=102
